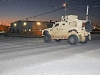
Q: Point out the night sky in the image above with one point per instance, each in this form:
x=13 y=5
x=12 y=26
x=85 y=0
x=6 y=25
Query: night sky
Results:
x=45 y=10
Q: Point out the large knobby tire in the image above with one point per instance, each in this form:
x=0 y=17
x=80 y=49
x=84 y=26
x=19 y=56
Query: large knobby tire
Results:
x=73 y=39
x=47 y=38
x=58 y=40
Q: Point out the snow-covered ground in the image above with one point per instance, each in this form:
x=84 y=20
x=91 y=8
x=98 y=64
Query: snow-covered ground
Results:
x=31 y=56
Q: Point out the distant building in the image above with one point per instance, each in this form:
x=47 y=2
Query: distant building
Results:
x=30 y=26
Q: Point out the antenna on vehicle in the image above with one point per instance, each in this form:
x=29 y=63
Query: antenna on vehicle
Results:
x=87 y=12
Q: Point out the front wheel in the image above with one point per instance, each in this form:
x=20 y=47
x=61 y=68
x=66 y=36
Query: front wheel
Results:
x=73 y=39
x=47 y=38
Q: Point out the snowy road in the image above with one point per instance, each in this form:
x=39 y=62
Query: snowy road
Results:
x=31 y=56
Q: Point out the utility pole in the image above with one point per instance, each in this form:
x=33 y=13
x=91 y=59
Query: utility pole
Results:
x=65 y=7
x=87 y=13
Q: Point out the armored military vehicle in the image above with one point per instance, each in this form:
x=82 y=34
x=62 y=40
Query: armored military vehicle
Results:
x=69 y=28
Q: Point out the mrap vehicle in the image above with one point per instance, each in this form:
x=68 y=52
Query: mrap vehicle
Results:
x=69 y=28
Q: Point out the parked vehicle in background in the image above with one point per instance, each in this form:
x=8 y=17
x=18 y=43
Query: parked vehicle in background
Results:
x=2 y=32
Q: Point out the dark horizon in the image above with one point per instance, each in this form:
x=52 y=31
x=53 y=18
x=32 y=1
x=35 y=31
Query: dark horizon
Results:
x=12 y=10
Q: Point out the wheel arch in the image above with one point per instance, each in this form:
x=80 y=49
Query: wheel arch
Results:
x=72 y=30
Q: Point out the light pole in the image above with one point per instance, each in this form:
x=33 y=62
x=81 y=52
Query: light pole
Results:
x=65 y=7
x=87 y=13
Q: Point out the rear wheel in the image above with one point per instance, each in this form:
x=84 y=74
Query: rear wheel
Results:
x=47 y=38
x=73 y=39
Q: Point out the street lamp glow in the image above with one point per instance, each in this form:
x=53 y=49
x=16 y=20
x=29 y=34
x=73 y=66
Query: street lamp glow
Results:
x=29 y=29
x=64 y=4
x=25 y=23
x=38 y=23
x=15 y=24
